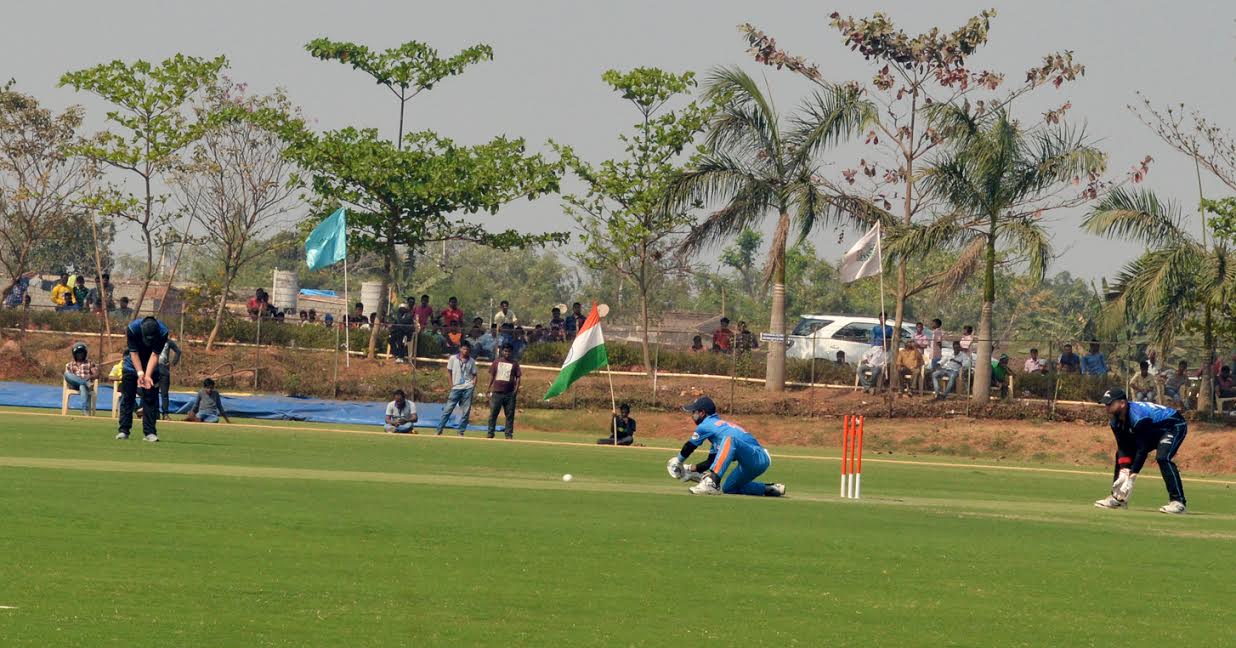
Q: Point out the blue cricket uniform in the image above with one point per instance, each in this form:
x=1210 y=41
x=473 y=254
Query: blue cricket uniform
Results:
x=730 y=443
x=145 y=349
x=1150 y=426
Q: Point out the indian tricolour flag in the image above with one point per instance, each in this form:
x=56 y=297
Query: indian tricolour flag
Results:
x=587 y=354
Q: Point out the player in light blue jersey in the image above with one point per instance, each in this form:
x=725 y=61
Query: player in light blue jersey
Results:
x=1139 y=428
x=729 y=443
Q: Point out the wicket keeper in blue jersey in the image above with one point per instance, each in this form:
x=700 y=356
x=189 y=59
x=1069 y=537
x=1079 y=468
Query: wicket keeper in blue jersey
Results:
x=728 y=444
x=1140 y=427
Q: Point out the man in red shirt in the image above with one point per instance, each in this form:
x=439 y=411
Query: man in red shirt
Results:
x=723 y=338
x=423 y=313
x=452 y=313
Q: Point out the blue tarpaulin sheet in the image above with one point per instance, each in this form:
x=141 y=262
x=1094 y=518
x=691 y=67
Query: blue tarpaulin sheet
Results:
x=277 y=408
x=310 y=292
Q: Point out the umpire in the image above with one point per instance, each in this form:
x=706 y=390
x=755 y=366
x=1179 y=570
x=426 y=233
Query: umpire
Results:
x=146 y=339
x=1138 y=428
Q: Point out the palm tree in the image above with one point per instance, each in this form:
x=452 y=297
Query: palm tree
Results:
x=1174 y=281
x=753 y=167
x=997 y=178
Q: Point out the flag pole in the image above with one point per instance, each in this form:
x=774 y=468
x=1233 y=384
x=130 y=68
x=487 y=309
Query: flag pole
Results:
x=347 y=309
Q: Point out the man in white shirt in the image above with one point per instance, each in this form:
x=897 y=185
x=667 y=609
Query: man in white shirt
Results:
x=400 y=414
x=461 y=368
x=937 y=344
x=871 y=368
x=505 y=314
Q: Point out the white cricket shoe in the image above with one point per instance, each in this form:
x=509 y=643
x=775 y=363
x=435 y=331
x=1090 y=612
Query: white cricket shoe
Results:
x=153 y=438
x=122 y=436
x=1110 y=502
x=707 y=486
x=1173 y=507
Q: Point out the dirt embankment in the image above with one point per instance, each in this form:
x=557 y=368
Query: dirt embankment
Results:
x=1014 y=431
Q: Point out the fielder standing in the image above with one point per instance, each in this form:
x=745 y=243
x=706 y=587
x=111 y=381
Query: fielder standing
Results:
x=146 y=339
x=729 y=444
x=1140 y=427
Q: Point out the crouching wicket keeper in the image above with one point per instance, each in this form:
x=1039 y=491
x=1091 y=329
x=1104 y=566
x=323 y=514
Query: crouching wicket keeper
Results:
x=1140 y=427
x=729 y=444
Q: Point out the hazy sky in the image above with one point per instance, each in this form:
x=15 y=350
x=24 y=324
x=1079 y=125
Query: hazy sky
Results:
x=544 y=82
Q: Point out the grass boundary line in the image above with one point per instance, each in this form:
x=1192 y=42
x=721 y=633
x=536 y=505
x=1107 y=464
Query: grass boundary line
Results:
x=905 y=462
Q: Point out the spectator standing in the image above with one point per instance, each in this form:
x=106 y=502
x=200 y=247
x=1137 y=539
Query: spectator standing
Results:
x=557 y=325
x=621 y=428
x=697 y=344
x=452 y=314
x=461 y=368
x=17 y=295
x=882 y=333
x=723 y=337
x=81 y=295
x=504 y=377
x=937 y=343
x=124 y=312
x=922 y=340
x=909 y=363
x=400 y=414
x=168 y=359
x=208 y=405
x=313 y=316
x=967 y=338
x=746 y=340
x=81 y=373
x=949 y=371
x=61 y=294
x=573 y=321
x=400 y=333
x=1143 y=384
x=1094 y=363
x=840 y=358
x=140 y=371
x=254 y=306
x=1225 y=383
x=1035 y=364
x=1069 y=362
x=1000 y=373
x=423 y=313
x=871 y=368
x=505 y=314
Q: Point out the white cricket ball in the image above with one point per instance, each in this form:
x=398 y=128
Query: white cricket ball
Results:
x=567 y=477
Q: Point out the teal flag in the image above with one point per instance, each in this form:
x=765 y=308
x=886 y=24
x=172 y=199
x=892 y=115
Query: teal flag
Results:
x=328 y=243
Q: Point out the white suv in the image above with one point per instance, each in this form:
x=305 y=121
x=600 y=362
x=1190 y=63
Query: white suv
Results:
x=828 y=334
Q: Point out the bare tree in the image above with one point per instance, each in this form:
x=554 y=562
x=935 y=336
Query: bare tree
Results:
x=237 y=181
x=39 y=181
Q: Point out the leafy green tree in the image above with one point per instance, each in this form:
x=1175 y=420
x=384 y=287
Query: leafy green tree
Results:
x=999 y=177
x=40 y=184
x=754 y=167
x=740 y=257
x=912 y=73
x=402 y=195
x=151 y=112
x=627 y=228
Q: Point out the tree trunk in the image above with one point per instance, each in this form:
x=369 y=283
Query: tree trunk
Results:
x=1205 y=392
x=214 y=331
x=894 y=376
x=387 y=270
x=982 y=362
x=643 y=318
x=774 y=378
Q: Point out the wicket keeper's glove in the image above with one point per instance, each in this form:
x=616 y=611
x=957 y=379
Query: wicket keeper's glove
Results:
x=1121 y=478
x=1126 y=489
x=674 y=468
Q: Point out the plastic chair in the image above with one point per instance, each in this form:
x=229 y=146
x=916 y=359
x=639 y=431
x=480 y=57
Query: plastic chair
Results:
x=67 y=391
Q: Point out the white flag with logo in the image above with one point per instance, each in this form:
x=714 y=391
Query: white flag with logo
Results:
x=864 y=259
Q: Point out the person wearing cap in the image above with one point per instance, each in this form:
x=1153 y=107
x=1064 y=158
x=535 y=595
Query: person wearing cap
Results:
x=1000 y=375
x=80 y=373
x=504 y=376
x=1139 y=427
x=146 y=338
x=729 y=443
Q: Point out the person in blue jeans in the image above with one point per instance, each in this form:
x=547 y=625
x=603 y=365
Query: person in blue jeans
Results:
x=81 y=374
x=730 y=444
x=461 y=368
x=400 y=414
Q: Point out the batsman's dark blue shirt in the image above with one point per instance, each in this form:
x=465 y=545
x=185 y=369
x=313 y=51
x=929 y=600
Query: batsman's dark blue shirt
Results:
x=137 y=344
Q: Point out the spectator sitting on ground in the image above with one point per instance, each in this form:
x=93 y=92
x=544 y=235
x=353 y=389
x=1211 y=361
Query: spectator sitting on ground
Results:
x=1176 y=387
x=574 y=321
x=81 y=373
x=723 y=337
x=452 y=314
x=61 y=294
x=400 y=414
x=1225 y=384
x=17 y=294
x=746 y=340
x=621 y=428
x=840 y=358
x=967 y=338
x=1000 y=374
x=1035 y=364
x=208 y=405
x=1143 y=384
x=949 y=371
x=1069 y=362
x=505 y=314
x=1094 y=363
x=871 y=368
x=124 y=312
x=697 y=344
x=909 y=364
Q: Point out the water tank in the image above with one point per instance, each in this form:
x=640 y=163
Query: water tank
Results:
x=285 y=289
x=371 y=297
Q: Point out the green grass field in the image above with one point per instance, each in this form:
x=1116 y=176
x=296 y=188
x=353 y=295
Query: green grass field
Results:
x=275 y=536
